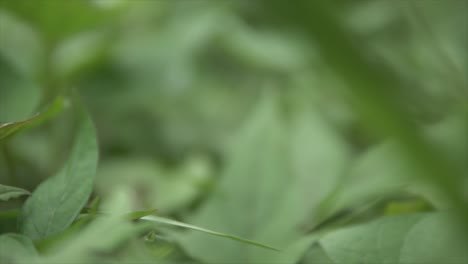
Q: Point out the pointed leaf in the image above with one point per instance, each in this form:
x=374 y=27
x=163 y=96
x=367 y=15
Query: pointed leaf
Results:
x=171 y=222
x=9 y=192
x=56 y=202
x=8 y=129
x=139 y=214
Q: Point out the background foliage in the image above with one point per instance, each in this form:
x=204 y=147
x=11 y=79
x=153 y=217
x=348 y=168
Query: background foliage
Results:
x=300 y=132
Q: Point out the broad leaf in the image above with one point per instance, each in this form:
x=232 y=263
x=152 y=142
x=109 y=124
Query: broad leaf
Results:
x=9 y=192
x=276 y=176
x=416 y=238
x=14 y=247
x=56 y=202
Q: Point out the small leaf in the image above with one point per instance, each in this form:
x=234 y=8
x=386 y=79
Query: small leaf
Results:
x=15 y=246
x=167 y=221
x=7 y=129
x=9 y=192
x=54 y=205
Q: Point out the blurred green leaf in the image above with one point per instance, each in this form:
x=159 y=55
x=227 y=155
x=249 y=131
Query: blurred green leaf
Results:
x=56 y=202
x=139 y=214
x=421 y=238
x=101 y=236
x=15 y=247
x=57 y=19
x=8 y=129
x=9 y=192
x=162 y=220
x=265 y=193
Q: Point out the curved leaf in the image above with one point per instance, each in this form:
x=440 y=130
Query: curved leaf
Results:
x=15 y=246
x=171 y=222
x=56 y=202
x=8 y=129
x=414 y=238
x=276 y=177
x=9 y=192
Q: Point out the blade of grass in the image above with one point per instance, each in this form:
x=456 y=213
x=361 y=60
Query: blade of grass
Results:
x=166 y=221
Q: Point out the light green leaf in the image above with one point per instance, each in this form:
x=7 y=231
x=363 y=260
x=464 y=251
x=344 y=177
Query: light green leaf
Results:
x=139 y=214
x=416 y=238
x=435 y=239
x=8 y=129
x=277 y=174
x=317 y=255
x=9 y=192
x=59 y=19
x=101 y=236
x=162 y=220
x=14 y=247
x=56 y=202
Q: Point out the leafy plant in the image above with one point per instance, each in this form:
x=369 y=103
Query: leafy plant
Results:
x=233 y=132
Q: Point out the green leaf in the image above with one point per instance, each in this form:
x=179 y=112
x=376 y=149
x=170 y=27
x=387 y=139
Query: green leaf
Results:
x=139 y=214
x=56 y=202
x=102 y=235
x=272 y=169
x=57 y=20
x=8 y=129
x=9 y=192
x=14 y=247
x=171 y=222
x=415 y=238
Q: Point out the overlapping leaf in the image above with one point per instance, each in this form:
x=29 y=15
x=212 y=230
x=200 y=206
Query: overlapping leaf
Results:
x=415 y=238
x=274 y=180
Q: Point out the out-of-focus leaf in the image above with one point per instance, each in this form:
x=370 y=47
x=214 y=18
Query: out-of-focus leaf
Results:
x=9 y=192
x=57 y=19
x=366 y=180
x=274 y=180
x=139 y=214
x=317 y=255
x=101 y=236
x=157 y=187
x=415 y=238
x=56 y=202
x=171 y=222
x=8 y=129
x=19 y=45
x=374 y=92
x=15 y=247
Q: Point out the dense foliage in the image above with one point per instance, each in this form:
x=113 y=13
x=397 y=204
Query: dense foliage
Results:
x=204 y=131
